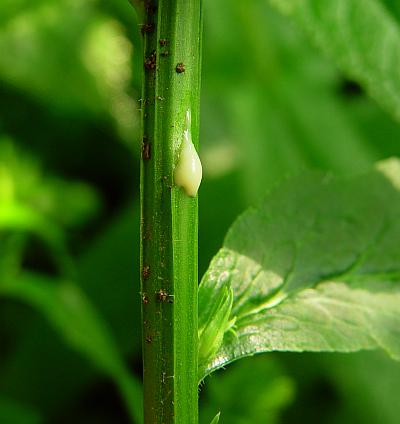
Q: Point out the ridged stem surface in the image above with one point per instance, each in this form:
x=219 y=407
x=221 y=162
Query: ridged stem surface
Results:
x=169 y=218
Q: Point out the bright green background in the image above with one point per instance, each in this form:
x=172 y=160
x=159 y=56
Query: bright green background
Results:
x=272 y=105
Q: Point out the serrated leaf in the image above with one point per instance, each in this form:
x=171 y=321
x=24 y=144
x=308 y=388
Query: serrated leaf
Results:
x=362 y=37
x=314 y=268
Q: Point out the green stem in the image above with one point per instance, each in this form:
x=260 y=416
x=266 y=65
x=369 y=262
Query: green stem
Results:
x=171 y=87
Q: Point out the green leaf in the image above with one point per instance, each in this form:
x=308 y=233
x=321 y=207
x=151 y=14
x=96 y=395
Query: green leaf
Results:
x=44 y=39
x=362 y=37
x=70 y=312
x=38 y=347
x=216 y=419
x=314 y=268
x=24 y=182
x=296 y=88
x=34 y=203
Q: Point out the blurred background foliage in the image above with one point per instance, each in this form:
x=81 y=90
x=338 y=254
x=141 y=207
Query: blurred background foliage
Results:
x=272 y=105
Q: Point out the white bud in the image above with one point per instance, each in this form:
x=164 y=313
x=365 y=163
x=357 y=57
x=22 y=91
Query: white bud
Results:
x=188 y=171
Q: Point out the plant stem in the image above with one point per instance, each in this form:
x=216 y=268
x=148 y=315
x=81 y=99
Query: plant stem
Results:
x=169 y=217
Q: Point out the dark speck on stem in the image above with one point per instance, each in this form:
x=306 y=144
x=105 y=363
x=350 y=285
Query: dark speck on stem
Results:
x=180 y=67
